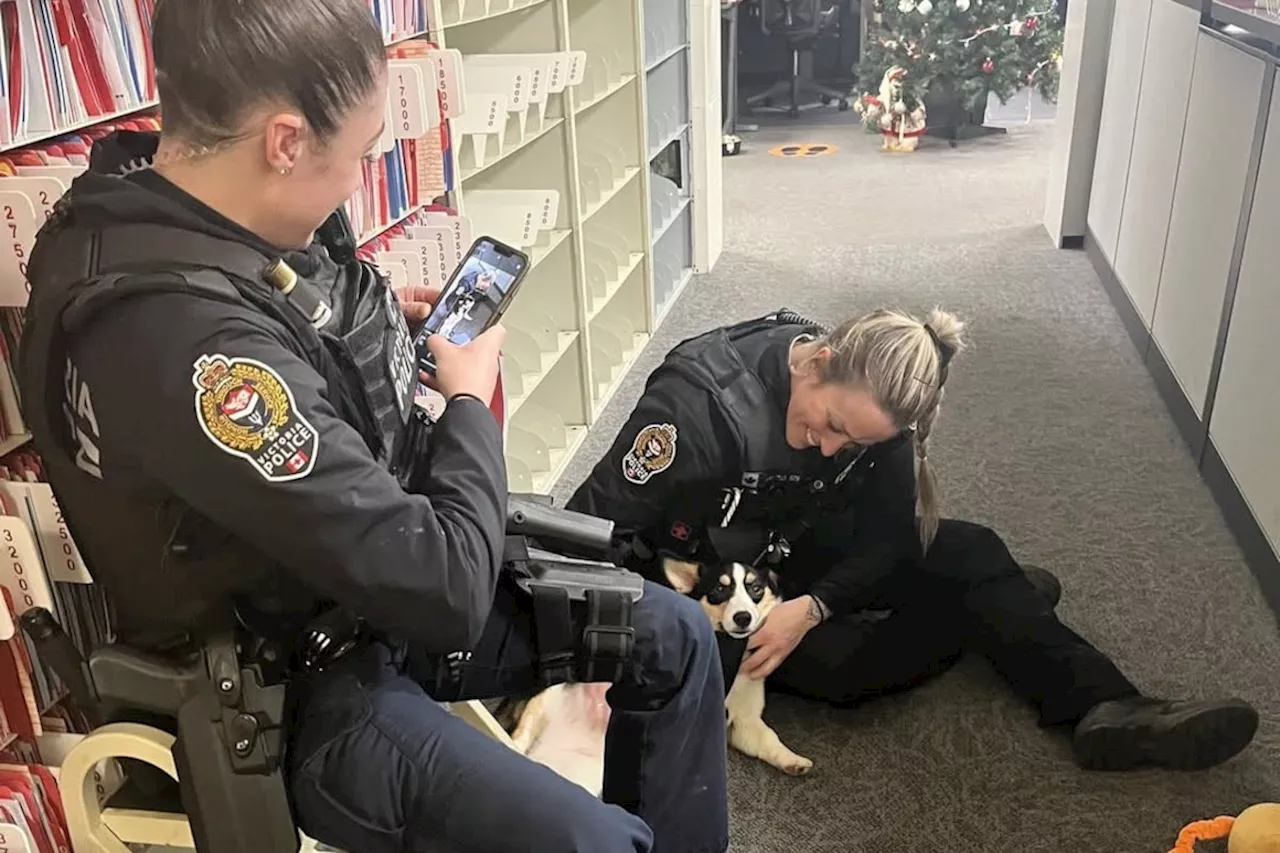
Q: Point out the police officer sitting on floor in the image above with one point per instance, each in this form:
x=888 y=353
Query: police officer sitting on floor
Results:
x=222 y=399
x=812 y=443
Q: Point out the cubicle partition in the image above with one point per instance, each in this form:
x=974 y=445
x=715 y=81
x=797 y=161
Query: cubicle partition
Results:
x=1184 y=230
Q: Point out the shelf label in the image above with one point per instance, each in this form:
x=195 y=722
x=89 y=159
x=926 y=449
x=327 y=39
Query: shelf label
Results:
x=449 y=81
x=577 y=67
x=408 y=92
x=21 y=571
x=398 y=266
x=461 y=227
x=428 y=259
x=62 y=557
x=20 y=225
x=445 y=238
x=557 y=75
x=43 y=190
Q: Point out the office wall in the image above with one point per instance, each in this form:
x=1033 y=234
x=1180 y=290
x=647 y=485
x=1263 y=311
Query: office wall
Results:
x=1183 y=228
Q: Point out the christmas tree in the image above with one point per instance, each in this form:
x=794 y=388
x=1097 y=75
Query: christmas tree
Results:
x=964 y=48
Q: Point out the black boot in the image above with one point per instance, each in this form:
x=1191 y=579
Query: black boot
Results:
x=1046 y=582
x=1137 y=732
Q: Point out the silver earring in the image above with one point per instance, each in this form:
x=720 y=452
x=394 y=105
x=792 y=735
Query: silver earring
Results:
x=285 y=170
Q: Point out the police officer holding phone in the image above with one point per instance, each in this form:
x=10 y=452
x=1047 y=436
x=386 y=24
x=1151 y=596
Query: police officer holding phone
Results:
x=223 y=397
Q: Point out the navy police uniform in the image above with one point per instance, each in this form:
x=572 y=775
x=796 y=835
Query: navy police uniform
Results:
x=228 y=430
x=702 y=471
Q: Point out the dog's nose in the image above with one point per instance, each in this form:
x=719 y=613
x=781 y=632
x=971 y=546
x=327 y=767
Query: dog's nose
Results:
x=742 y=618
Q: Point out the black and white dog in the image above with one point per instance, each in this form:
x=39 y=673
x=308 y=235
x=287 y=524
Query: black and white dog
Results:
x=563 y=726
x=737 y=599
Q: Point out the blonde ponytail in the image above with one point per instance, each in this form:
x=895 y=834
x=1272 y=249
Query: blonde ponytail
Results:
x=904 y=361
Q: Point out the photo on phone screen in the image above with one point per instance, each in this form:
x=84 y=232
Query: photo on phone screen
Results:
x=475 y=296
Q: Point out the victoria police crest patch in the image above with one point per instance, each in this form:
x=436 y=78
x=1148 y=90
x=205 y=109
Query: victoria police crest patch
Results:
x=652 y=452
x=247 y=410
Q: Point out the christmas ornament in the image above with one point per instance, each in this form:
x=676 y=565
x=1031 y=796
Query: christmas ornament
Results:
x=988 y=67
x=1015 y=29
x=962 y=5
x=906 y=6
x=1032 y=22
x=924 y=7
x=895 y=112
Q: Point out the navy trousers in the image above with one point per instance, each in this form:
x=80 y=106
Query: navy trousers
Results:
x=376 y=765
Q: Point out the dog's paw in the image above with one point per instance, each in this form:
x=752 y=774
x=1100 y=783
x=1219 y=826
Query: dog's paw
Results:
x=797 y=766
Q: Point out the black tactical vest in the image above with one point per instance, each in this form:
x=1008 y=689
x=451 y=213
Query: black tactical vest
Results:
x=768 y=500
x=168 y=570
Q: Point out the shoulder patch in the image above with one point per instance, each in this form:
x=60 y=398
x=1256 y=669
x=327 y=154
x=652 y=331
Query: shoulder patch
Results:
x=652 y=452
x=247 y=410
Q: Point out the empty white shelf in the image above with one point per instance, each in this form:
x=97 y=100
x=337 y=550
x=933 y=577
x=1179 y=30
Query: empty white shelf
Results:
x=458 y=13
x=512 y=146
x=605 y=197
x=529 y=381
x=667 y=221
x=606 y=387
x=560 y=457
x=599 y=98
x=669 y=299
x=542 y=251
x=614 y=284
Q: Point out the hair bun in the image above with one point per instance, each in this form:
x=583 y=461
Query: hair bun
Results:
x=947 y=331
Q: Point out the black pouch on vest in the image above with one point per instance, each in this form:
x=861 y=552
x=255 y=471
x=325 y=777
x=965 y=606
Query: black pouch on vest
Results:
x=410 y=463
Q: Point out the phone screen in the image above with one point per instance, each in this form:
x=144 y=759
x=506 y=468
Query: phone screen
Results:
x=474 y=298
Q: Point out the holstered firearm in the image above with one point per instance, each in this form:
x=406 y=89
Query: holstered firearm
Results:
x=561 y=559
x=570 y=590
x=227 y=724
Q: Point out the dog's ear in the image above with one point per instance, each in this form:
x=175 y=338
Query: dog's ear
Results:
x=682 y=576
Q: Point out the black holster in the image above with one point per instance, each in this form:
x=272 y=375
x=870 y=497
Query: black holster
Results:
x=227 y=722
x=582 y=608
x=582 y=602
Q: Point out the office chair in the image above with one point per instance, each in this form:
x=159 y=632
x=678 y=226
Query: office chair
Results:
x=801 y=23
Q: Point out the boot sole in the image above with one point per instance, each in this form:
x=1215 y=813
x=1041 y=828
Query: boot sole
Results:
x=1195 y=739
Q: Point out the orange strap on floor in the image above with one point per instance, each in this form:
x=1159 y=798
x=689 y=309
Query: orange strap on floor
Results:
x=1202 y=830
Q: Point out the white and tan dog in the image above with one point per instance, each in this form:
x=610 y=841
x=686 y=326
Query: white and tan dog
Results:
x=737 y=599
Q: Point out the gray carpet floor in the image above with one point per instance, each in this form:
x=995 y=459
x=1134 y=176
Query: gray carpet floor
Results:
x=1054 y=435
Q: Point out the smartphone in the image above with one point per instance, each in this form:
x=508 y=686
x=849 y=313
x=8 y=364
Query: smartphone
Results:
x=475 y=296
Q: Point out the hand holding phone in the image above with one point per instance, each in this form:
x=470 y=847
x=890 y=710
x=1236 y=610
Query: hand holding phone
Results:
x=473 y=299
x=470 y=368
x=416 y=302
